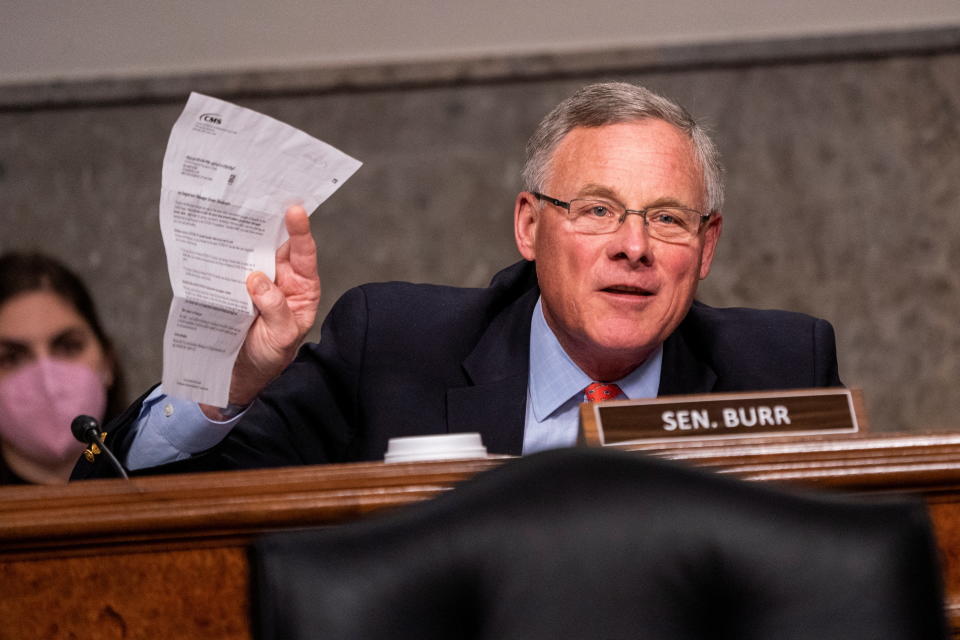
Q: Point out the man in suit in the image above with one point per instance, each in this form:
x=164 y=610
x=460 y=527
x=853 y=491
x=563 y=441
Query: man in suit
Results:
x=619 y=221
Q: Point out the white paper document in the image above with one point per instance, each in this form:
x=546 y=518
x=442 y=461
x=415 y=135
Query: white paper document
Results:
x=229 y=174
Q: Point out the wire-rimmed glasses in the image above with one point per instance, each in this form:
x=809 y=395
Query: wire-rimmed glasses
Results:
x=596 y=216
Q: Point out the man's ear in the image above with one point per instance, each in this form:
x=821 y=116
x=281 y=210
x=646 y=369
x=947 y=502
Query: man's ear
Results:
x=526 y=216
x=710 y=239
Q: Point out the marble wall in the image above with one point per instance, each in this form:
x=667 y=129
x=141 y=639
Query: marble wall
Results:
x=843 y=160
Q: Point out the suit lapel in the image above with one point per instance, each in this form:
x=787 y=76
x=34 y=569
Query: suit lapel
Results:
x=495 y=403
x=683 y=370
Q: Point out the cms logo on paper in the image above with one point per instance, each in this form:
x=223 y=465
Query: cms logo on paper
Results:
x=212 y=118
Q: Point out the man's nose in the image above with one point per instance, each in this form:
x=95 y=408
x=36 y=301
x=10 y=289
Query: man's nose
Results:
x=632 y=241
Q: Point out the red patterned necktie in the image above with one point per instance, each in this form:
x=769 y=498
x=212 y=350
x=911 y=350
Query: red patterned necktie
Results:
x=597 y=391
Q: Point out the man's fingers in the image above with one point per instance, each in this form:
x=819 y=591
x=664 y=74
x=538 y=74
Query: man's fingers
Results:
x=300 y=249
x=297 y=221
x=287 y=310
x=268 y=298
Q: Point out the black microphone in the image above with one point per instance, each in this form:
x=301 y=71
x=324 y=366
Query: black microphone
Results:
x=86 y=429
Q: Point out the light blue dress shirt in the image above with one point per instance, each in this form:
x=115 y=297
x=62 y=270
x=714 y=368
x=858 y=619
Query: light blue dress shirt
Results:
x=556 y=384
x=170 y=429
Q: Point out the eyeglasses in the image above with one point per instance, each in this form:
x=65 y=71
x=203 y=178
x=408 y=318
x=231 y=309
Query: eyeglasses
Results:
x=595 y=216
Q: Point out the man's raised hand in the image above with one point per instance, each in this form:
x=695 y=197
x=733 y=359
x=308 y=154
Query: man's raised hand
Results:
x=287 y=312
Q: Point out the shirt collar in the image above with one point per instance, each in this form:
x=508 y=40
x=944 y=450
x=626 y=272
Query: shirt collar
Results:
x=555 y=379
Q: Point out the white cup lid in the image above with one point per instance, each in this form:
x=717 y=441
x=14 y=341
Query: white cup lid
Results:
x=450 y=446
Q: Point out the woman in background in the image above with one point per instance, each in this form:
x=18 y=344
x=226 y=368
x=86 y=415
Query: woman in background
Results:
x=56 y=362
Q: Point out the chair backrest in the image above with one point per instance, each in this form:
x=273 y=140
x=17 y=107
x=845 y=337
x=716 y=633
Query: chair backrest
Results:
x=605 y=544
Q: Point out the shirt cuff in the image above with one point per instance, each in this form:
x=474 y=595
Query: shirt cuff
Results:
x=170 y=429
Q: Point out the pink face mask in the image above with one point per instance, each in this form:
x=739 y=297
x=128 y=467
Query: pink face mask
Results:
x=38 y=403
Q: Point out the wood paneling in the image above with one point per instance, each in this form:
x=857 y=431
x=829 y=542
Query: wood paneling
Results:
x=164 y=557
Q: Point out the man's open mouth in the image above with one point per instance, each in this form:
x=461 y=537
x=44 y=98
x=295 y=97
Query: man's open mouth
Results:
x=628 y=290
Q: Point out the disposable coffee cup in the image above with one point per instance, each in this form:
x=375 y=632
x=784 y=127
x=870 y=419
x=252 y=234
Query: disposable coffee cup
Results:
x=452 y=446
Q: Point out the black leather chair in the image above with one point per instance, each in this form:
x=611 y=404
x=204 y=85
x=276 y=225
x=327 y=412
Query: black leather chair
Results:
x=605 y=544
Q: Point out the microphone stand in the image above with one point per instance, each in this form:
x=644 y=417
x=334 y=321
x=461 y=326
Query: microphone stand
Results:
x=86 y=429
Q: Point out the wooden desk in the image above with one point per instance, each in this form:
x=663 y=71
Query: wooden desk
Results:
x=165 y=557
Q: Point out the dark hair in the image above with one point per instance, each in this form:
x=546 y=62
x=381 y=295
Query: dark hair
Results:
x=26 y=272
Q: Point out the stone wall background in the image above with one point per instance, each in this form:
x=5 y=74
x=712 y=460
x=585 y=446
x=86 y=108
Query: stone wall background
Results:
x=843 y=161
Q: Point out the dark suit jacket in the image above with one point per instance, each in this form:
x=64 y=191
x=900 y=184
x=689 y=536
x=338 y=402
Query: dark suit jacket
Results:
x=399 y=359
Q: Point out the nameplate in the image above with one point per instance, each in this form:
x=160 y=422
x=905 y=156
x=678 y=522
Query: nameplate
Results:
x=721 y=415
